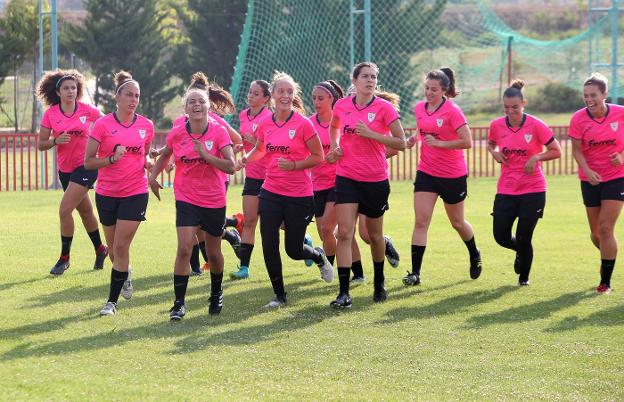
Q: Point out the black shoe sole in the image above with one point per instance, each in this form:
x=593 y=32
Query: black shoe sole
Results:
x=175 y=318
x=337 y=306
x=215 y=311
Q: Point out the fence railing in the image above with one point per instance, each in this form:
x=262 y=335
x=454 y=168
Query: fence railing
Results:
x=23 y=167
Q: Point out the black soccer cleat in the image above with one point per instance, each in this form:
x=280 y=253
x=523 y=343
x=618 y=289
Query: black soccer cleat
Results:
x=475 y=266
x=100 y=258
x=216 y=303
x=380 y=294
x=343 y=301
x=177 y=312
x=60 y=267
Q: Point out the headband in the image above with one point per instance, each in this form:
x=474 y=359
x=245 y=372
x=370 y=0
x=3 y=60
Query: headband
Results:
x=63 y=78
x=327 y=87
x=124 y=83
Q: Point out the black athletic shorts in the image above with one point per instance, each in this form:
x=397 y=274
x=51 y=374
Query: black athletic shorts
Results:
x=210 y=220
x=451 y=190
x=371 y=197
x=110 y=209
x=252 y=186
x=80 y=175
x=530 y=206
x=294 y=210
x=608 y=190
x=321 y=198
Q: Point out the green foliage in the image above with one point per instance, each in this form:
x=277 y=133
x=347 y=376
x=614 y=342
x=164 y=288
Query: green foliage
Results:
x=129 y=35
x=556 y=98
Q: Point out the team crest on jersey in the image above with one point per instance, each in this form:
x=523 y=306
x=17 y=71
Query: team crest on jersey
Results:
x=142 y=133
x=614 y=126
x=439 y=122
x=209 y=145
x=371 y=117
x=83 y=119
x=291 y=134
x=528 y=137
x=254 y=127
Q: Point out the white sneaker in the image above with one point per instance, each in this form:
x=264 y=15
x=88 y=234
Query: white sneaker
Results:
x=276 y=302
x=327 y=271
x=127 y=289
x=110 y=308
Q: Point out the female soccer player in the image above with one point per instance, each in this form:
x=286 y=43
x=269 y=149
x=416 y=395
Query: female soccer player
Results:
x=442 y=168
x=119 y=148
x=362 y=126
x=202 y=151
x=259 y=100
x=517 y=141
x=65 y=125
x=291 y=146
x=597 y=133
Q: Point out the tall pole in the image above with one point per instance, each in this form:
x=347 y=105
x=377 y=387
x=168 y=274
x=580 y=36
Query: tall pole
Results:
x=54 y=34
x=367 y=30
x=351 y=34
x=509 y=59
x=614 y=52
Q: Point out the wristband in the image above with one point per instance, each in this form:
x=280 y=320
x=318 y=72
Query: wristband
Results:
x=53 y=141
x=110 y=159
x=294 y=165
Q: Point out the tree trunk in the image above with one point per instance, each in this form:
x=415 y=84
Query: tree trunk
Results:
x=15 y=105
x=35 y=103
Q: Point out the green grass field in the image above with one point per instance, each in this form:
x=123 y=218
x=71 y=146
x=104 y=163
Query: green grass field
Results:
x=450 y=339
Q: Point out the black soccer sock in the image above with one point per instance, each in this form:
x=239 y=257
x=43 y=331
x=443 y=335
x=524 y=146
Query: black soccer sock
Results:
x=195 y=258
x=331 y=259
x=179 y=287
x=95 y=239
x=202 y=249
x=245 y=254
x=379 y=273
x=215 y=282
x=606 y=270
x=356 y=268
x=66 y=242
x=343 y=278
x=472 y=248
x=417 y=258
x=117 y=280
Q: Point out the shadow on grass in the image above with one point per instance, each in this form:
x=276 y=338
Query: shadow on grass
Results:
x=529 y=312
x=611 y=317
x=447 y=306
x=195 y=326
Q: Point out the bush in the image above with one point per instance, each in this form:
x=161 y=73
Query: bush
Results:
x=556 y=98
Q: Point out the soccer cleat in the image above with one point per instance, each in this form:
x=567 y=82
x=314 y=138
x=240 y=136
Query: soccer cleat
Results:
x=327 y=271
x=206 y=266
x=177 y=312
x=276 y=302
x=380 y=294
x=411 y=279
x=391 y=253
x=110 y=308
x=100 y=258
x=61 y=266
x=236 y=243
x=240 y=221
x=343 y=301
x=241 y=273
x=475 y=266
x=308 y=240
x=127 y=289
x=523 y=282
x=196 y=271
x=216 y=303
x=517 y=264
x=603 y=289
x=358 y=280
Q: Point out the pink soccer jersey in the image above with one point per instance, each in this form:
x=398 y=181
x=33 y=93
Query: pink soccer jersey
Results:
x=286 y=140
x=443 y=124
x=127 y=176
x=519 y=144
x=71 y=155
x=323 y=174
x=600 y=138
x=248 y=125
x=363 y=159
x=196 y=181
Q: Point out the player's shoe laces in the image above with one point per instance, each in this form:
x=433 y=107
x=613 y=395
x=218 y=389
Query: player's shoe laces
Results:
x=343 y=301
x=411 y=279
x=100 y=258
x=391 y=253
x=61 y=266
x=177 y=312
x=110 y=308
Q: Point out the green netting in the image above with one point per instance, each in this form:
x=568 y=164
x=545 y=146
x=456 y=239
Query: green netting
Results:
x=311 y=41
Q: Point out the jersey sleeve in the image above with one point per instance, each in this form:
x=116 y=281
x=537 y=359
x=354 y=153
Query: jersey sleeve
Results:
x=307 y=129
x=574 y=130
x=45 y=120
x=493 y=133
x=223 y=138
x=544 y=133
x=457 y=118
x=390 y=114
x=94 y=113
x=99 y=131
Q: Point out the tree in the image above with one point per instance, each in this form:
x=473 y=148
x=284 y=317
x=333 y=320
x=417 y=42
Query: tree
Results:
x=212 y=29
x=130 y=35
x=19 y=28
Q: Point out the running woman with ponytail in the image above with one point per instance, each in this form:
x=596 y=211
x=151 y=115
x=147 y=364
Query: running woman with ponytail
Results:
x=597 y=133
x=119 y=147
x=362 y=126
x=66 y=125
x=291 y=146
x=442 y=170
x=259 y=100
x=202 y=151
x=517 y=142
